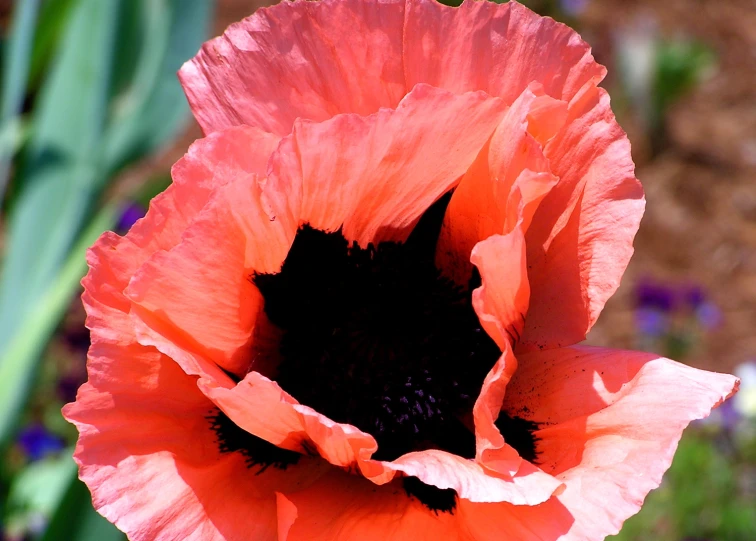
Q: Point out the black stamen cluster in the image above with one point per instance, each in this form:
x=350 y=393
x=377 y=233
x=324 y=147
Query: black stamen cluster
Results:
x=376 y=337
x=520 y=434
x=434 y=498
x=257 y=451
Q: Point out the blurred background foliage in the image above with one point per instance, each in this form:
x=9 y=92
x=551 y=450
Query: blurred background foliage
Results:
x=88 y=90
x=92 y=116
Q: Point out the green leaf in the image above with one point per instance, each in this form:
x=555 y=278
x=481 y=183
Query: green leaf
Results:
x=62 y=165
x=152 y=109
x=15 y=76
x=680 y=66
x=75 y=518
x=53 y=19
x=20 y=358
x=86 y=126
x=58 y=182
x=39 y=487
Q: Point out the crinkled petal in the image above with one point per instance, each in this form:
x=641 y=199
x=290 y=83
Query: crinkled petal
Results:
x=376 y=175
x=610 y=423
x=343 y=507
x=340 y=507
x=299 y=59
x=502 y=300
x=170 y=214
x=501 y=304
x=151 y=459
x=198 y=295
x=195 y=177
x=491 y=449
x=261 y=407
x=315 y=60
x=499 y=49
x=503 y=187
x=474 y=482
x=548 y=521
x=146 y=448
x=580 y=239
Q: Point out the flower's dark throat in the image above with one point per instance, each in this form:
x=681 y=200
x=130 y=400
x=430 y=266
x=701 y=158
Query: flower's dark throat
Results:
x=378 y=338
x=257 y=452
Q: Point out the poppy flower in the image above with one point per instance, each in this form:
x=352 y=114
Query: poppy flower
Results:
x=353 y=314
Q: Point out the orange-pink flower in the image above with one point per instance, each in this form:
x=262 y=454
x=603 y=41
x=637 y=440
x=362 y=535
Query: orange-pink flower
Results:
x=353 y=315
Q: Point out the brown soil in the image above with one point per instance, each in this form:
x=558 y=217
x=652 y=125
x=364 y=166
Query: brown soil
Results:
x=700 y=222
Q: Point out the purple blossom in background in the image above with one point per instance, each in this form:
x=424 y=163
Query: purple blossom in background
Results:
x=660 y=308
x=37 y=442
x=129 y=215
x=708 y=315
x=573 y=8
x=726 y=417
x=651 y=322
x=693 y=296
x=653 y=295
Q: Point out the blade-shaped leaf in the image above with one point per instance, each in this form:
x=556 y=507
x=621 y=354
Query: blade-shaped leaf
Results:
x=75 y=518
x=62 y=163
x=15 y=74
x=79 y=139
x=20 y=358
x=153 y=108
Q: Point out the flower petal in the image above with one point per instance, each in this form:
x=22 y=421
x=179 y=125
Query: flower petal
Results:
x=198 y=295
x=152 y=463
x=473 y=482
x=501 y=304
x=195 y=177
x=580 y=239
x=503 y=187
x=548 y=521
x=376 y=175
x=343 y=507
x=499 y=49
x=146 y=448
x=611 y=421
x=261 y=407
x=491 y=449
x=502 y=300
x=118 y=258
x=294 y=60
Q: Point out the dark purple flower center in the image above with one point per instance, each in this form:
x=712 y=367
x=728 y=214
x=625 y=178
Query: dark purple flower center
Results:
x=378 y=338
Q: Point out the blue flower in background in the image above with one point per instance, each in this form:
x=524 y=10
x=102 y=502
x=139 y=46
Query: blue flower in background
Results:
x=693 y=295
x=651 y=322
x=37 y=442
x=709 y=315
x=573 y=8
x=129 y=216
x=653 y=295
